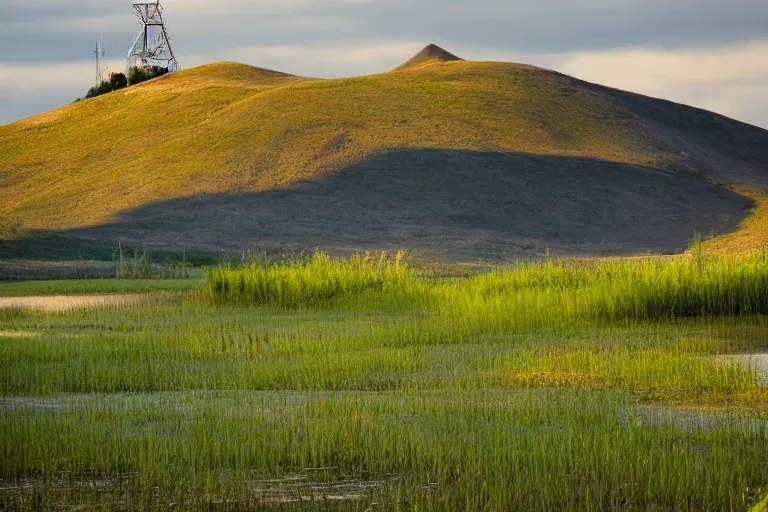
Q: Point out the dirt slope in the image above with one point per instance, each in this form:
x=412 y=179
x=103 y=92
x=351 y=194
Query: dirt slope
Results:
x=466 y=159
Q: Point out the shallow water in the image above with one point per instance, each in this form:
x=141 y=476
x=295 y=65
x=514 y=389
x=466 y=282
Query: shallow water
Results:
x=758 y=362
x=18 y=334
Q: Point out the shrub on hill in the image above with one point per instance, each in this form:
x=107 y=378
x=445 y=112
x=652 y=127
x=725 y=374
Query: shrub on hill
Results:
x=98 y=90
x=136 y=75
x=117 y=81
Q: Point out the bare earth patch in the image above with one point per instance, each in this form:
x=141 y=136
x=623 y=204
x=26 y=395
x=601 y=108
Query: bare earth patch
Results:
x=68 y=303
x=18 y=334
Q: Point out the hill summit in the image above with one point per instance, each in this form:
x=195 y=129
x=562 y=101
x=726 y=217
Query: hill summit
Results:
x=431 y=54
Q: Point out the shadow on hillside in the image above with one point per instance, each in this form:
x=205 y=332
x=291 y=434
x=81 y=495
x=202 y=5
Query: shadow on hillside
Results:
x=461 y=205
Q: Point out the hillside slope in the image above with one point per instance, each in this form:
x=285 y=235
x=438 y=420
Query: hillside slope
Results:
x=477 y=146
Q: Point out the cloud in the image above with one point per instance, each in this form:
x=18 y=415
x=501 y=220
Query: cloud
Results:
x=31 y=79
x=732 y=80
x=651 y=68
x=545 y=26
x=701 y=52
x=346 y=58
x=238 y=7
x=26 y=89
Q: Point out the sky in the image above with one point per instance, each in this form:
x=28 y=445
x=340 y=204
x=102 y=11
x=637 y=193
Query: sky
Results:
x=711 y=54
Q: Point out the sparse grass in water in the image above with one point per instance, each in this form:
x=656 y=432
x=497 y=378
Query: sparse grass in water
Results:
x=325 y=383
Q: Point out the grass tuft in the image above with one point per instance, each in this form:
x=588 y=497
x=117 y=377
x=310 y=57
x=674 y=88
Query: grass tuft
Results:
x=307 y=282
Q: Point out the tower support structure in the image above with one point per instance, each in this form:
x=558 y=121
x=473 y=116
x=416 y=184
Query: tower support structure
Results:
x=151 y=43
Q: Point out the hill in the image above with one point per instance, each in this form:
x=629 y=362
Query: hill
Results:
x=462 y=159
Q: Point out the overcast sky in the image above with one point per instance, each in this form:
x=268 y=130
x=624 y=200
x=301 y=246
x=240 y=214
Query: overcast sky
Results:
x=707 y=53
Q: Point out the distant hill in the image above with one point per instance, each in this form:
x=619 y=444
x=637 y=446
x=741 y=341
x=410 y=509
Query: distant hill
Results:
x=462 y=160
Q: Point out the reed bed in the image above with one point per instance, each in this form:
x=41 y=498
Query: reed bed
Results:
x=599 y=291
x=306 y=282
x=623 y=291
x=473 y=450
x=332 y=384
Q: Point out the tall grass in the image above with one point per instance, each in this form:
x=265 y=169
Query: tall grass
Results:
x=306 y=282
x=609 y=291
x=530 y=293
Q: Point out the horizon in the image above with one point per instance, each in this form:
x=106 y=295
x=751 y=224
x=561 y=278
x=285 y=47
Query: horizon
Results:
x=700 y=55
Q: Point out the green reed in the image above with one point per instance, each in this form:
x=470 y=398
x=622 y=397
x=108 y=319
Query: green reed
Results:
x=305 y=282
x=355 y=384
x=549 y=291
x=468 y=450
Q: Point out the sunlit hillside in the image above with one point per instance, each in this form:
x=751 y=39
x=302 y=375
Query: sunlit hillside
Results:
x=237 y=130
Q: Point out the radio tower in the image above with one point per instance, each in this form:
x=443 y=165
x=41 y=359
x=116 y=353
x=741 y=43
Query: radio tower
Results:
x=99 y=54
x=151 y=44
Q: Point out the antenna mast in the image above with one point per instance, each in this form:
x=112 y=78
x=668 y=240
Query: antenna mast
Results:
x=99 y=54
x=151 y=44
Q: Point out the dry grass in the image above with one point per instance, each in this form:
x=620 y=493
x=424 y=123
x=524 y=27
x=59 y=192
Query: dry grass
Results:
x=232 y=128
x=752 y=234
x=69 y=302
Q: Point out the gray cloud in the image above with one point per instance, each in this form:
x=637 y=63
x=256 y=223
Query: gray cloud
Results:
x=368 y=33
x=46 y=29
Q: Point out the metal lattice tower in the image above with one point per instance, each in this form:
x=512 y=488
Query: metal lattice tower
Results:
x=151 y=44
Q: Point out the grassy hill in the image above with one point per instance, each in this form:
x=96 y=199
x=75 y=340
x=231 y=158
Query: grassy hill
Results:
x=443 y=155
